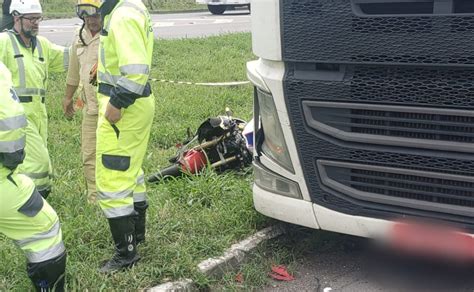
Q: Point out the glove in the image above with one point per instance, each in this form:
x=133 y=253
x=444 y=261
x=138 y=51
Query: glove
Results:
x=12 y=160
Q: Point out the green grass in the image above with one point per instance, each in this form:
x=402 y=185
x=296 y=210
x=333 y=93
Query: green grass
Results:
x=190 y=219
x=286 y=250
x=172 y=5
x=65 y=8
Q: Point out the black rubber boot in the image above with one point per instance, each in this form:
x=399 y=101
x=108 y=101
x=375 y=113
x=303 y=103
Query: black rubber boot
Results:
x=140 y=220
x=123 y=233
x=48 y=275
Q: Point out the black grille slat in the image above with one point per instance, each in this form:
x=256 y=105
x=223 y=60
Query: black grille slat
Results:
x=447 y=88
x=434 y=184
x=429 y=196
x=388 y=129
x=386 y=125
x=398 y=186
x=408 y=120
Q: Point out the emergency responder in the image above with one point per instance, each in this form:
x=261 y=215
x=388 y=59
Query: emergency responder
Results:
x=83 y=56
x=7 y=19
x=25 y=217
x=30 y=58
x=126 y=109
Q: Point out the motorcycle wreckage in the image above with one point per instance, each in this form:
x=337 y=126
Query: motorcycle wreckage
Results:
x=221 y=142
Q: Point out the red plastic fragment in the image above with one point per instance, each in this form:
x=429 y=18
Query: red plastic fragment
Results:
x=280 y=273
x=239 y=278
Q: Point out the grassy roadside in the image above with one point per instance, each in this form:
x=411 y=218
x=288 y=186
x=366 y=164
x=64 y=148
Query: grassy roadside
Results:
x=65 y=8
x=190 y=219
x=288 y=250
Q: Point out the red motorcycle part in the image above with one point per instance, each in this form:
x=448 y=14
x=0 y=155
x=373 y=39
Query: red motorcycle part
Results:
x=193 y=161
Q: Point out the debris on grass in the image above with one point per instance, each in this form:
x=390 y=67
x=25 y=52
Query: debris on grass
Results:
x=239 y=278
x=280 y=273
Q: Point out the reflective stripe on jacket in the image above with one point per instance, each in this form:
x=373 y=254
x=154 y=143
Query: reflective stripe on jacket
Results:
x=12 y=119
x=30 y=68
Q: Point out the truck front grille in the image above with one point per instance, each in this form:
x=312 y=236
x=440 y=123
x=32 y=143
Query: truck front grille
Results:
x=408 y=188
x=418 y=127
x=405 y=136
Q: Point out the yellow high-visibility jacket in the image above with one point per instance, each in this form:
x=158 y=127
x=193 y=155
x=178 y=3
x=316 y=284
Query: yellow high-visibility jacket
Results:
x=25 y=217
x=125 y=55
x=30 y=68
x=12 y=124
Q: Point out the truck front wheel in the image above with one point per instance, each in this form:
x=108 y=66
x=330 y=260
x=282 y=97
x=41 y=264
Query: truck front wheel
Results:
x=216 y=9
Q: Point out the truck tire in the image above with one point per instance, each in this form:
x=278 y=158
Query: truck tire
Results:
x=217 y=9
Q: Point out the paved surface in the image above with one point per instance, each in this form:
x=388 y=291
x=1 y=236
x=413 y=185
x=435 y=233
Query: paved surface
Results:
x=168 y=26
x=359 y=266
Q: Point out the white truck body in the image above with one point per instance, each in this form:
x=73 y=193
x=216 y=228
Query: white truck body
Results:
x=267 y=73
x=283 y=189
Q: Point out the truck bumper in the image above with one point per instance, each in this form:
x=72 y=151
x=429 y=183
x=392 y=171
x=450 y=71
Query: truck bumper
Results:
x=308 y=214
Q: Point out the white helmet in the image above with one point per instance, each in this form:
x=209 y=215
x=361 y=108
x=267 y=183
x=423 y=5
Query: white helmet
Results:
x=25 y=7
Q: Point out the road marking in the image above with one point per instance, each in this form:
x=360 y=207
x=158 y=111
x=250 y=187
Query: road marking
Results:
x=187 y=22
x=217 y=21
x=60 y=25
x=163 y=24
x=189 y=19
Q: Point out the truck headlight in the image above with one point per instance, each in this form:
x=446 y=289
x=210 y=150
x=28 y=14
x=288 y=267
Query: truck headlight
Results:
x=274 y=145
x=272 y=182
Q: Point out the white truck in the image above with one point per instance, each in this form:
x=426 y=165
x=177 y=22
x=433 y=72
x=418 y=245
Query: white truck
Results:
x=364 y=118
x=220 y=6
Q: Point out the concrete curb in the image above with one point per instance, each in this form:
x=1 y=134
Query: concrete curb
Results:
x=238 y=253
x=231 y=260
x=185 y=285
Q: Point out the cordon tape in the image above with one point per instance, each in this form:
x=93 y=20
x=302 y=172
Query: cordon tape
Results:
x=233 y=83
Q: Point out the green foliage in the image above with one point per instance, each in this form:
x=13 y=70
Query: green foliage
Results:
x=58 y=8
x=189 y=219
x=172 y=4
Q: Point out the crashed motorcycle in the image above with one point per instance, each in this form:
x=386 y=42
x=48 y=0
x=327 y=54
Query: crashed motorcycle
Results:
x=220 y=143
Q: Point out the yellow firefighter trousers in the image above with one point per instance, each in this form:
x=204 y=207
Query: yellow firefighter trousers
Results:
x=28 y=219
x=88 y=144
x=121 y=149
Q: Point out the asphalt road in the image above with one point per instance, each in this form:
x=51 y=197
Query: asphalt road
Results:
x=167 y=26
x=347 y=263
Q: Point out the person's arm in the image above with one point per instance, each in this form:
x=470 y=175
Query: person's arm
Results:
x=12 y=136
x=133 y=53
x=4 y=42
x=58 y=56
x=72 y=80
x=68 y=102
